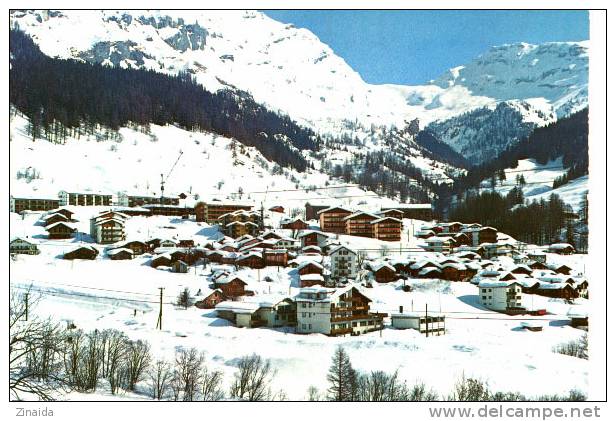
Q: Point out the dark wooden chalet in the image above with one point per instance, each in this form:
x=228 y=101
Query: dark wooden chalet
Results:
x=310 y=267
x=217 y=296
x=83 y=252
x=232 y=286
x=162 y=260
x=60 y=230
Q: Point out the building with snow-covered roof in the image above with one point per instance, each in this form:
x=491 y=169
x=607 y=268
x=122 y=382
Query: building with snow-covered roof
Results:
x=561 y=248
x=311 y=279
x=335 y=312
x=22 y=203
x=108 y=228
x=421 y=211
x=313 y=238
x=210 y=212
x=343 y=262
x=121 y=253
x=439 y=244
x=359 y=224
x=333 y=219
x=60 y=230
x=383 y=272
x=23 y=246
x=82 y=252
x=387 y=228
x=431 y=324
x=85 y=198
x=499 y=295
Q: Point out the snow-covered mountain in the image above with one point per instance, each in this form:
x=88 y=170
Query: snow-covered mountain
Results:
x=290 y=70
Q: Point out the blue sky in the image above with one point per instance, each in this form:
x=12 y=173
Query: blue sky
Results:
x=411 y=47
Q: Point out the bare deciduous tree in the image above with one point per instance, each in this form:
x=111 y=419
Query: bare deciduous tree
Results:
x=253 y=379
x=138 y=360
x=188 y=366
x=211 y=385
x=160 y=375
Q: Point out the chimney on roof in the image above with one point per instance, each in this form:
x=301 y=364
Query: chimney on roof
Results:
x=401 y=309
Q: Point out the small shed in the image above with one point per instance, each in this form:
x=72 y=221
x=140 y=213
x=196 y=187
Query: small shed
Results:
x=179 y=267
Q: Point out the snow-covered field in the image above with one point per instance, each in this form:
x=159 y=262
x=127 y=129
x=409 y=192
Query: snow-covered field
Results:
x=123 y=295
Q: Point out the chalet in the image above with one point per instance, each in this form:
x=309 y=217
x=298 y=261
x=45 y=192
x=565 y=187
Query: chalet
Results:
x=210 y=212
x=23 y=246
x=386 y=229
x=167 y=243
x=277 y=209
x=120 y=254
x=391 y=213
x=461 y=239
x=237 y=229
x=439 y=244
x=179 y=267
x=311 y=279
x=335 y=312
x=481 y=235
x=229 y=258
x=359 y=224
x=187 y=243
x=500 y=295
x=312 y=250
x=310 y=267
x=231 y=285
x=65 y=212
x=449 y=228
x=138 y=247
x=536 y=265
x=343 y=262
x=425 y=233
x=313 y=238
x=178 y=255
x=84 y=199
x=253 y=260
x=295 y=224
x=431 y=324
x=153 y=243
x=276 y=257
x=561 y=248
x=161 y=260
x=270 y=235
x=556 y=290
x=383 y=272
x=107 y=230
x=20 y=204
x=498 y=250
x=210 y=301
x=333 y=219
x=416 y=268
x=83 y=252
x=60 y=230
x=561 y=268
x=538 y=256
x=275 y=312
x=421 y=211
x=52 y=218
x=454 y=271
x=578 y=316
x=522 y=270
x=429 y=272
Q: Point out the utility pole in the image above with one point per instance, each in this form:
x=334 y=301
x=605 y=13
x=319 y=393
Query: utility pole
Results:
x=26 y=303
x=159 y=323
x=426 y=320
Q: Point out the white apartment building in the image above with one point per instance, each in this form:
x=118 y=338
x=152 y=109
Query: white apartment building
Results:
x=500 y=295
x=335 y=311
x=343 y=262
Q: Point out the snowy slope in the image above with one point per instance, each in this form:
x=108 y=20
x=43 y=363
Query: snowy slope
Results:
x=539 y=180
x=290 y=69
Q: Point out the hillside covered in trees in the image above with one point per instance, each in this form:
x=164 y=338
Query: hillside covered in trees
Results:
x=63 y=97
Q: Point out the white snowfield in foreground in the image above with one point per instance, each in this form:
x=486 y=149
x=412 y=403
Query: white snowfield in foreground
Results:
x=480 y=343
